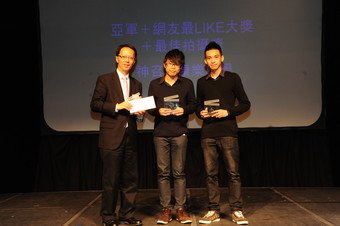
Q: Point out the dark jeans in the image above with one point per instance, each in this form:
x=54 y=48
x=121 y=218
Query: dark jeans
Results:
x=228 y=147
x=120 y=176
x=171 y=154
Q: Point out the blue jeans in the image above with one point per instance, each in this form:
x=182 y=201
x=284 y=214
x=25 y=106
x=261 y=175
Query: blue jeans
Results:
x=228 y=147
x=171 y=155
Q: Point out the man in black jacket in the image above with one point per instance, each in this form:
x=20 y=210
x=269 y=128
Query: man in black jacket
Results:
x=118 y=138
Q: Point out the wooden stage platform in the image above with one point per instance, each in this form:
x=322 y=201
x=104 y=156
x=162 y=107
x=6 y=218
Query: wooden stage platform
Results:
x=262 y=206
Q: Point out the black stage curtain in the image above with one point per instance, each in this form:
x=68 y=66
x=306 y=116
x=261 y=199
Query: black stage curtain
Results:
x=294 y=157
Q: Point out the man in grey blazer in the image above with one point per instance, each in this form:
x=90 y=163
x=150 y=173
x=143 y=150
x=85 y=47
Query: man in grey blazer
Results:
x=118 y=138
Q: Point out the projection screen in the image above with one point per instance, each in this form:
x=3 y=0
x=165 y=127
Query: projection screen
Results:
x=275 y=47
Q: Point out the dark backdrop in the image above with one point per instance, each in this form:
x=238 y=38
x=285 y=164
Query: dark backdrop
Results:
x=32 y=161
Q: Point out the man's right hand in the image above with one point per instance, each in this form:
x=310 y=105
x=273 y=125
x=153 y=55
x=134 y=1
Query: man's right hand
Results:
x=124 y=105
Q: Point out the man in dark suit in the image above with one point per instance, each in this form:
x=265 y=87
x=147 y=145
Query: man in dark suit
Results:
x=118 y=138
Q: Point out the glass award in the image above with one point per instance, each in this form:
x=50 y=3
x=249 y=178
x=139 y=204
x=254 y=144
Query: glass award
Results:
x=212 y=105
x=171 y=102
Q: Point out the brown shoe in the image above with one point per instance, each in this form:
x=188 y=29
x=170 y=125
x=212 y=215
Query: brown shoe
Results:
x=182 y=216
x=210 y=217
x=238 y=218
x=164 y=217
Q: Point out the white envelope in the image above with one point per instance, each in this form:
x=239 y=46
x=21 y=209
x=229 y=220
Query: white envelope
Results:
x=142 y=104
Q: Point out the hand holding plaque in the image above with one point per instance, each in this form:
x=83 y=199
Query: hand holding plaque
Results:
x=171 y=102
x=212 y=105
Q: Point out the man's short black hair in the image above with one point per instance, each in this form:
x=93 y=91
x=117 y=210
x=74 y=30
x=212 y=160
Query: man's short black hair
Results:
x=176 y=56
x=213 y=45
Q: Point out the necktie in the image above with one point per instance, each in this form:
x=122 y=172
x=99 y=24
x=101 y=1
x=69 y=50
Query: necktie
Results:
x=126 y=88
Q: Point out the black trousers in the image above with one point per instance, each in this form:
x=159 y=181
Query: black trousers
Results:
x=120 y=177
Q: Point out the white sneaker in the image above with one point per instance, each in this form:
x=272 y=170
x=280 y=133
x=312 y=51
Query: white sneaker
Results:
x=238 y=218
x=211 y=216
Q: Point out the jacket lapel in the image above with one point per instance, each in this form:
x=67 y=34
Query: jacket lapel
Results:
x=116 y=88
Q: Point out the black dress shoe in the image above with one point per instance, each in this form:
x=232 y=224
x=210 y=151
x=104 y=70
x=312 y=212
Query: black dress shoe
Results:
x=110 y=223
x=131 y=221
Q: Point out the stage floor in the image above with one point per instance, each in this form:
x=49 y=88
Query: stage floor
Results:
x=262 y=206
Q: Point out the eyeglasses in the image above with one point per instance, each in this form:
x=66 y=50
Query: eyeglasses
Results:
x=170 y=64
x=126 y=57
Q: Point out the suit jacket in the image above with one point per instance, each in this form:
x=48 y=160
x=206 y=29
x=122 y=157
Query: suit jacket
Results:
x=108 y=92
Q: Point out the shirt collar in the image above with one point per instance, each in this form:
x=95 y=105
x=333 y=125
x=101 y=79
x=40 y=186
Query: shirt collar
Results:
x=162 y=79
x=208 y=75
x=122 y=76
